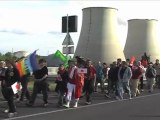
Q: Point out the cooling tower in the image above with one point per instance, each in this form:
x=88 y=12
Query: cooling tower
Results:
x=98 y=39
x=20 y=54
x=142 y=37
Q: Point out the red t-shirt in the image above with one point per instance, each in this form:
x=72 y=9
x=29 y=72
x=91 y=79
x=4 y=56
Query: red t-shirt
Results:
x=136 y=72
x=91 y=72
x=73 y=79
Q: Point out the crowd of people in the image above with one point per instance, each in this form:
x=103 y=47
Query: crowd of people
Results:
x=81 y=79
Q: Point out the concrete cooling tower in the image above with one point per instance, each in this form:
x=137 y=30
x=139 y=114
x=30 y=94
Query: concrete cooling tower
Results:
x=142 y=38
x=98 y=39
x=20 y=54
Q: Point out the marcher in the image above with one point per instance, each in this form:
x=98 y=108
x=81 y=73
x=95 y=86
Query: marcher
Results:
x=112 y=80
x=71 y=85
x=81 y=71
x=150 y=75
x=124 y=76
x=40 y=83
x=99 y=77
x=136 y=74
x=157 y=68
x=11 y=76
x=142 y=77
x=75 y=83
x=105 y=70
x=61 y=87
x=2 y=77
x=89 y=82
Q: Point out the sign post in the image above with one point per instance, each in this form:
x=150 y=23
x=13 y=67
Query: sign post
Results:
x=68 y=44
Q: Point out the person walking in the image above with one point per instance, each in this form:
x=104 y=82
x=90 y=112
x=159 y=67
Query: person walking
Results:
x=99 y=77
x=40 y=83
x=11 y=76
x=75 y=83
x=136 y=74
x=61 y=87
x=124 y=76
x=71 y=85
x=157 y=68
x=150 y=75
x=112 y=80
x=105 y=70
x=89 y=81
x=2 y=78
x=142 y=77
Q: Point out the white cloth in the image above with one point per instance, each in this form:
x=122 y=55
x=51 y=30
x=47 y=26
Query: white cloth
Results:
x=72 y=72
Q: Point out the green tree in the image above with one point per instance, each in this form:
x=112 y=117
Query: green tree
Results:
x=2 y=57
x=8 y=55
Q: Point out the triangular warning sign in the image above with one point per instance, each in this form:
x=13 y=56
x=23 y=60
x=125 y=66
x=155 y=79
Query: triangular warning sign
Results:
x=68 y=40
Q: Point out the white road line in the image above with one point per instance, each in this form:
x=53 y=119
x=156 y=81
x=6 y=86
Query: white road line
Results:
x=92 y=105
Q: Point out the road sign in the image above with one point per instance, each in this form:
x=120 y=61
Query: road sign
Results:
x=68 y=50
x=68 y=40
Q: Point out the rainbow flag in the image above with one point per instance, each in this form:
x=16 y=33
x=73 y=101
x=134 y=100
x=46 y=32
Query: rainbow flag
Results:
x=28 y=64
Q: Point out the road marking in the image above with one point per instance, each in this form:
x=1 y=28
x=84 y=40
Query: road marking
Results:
x=92 y=105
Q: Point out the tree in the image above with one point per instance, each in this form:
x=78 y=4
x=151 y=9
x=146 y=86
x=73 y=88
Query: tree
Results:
x=8 y=55
x=2 y=57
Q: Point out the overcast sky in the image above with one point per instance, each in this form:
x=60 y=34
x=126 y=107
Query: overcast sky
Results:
x=29 y=25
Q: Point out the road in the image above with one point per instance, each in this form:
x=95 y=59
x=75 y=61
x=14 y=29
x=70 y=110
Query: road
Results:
x=144 y=107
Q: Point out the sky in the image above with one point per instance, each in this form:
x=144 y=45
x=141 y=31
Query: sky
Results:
x=30 y=25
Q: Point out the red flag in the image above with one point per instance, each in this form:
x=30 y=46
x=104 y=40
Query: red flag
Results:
x=132 y=60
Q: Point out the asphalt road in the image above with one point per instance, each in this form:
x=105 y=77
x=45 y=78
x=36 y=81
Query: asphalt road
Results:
x=144 y=107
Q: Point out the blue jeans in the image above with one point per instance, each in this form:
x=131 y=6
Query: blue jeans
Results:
x=123 y=87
